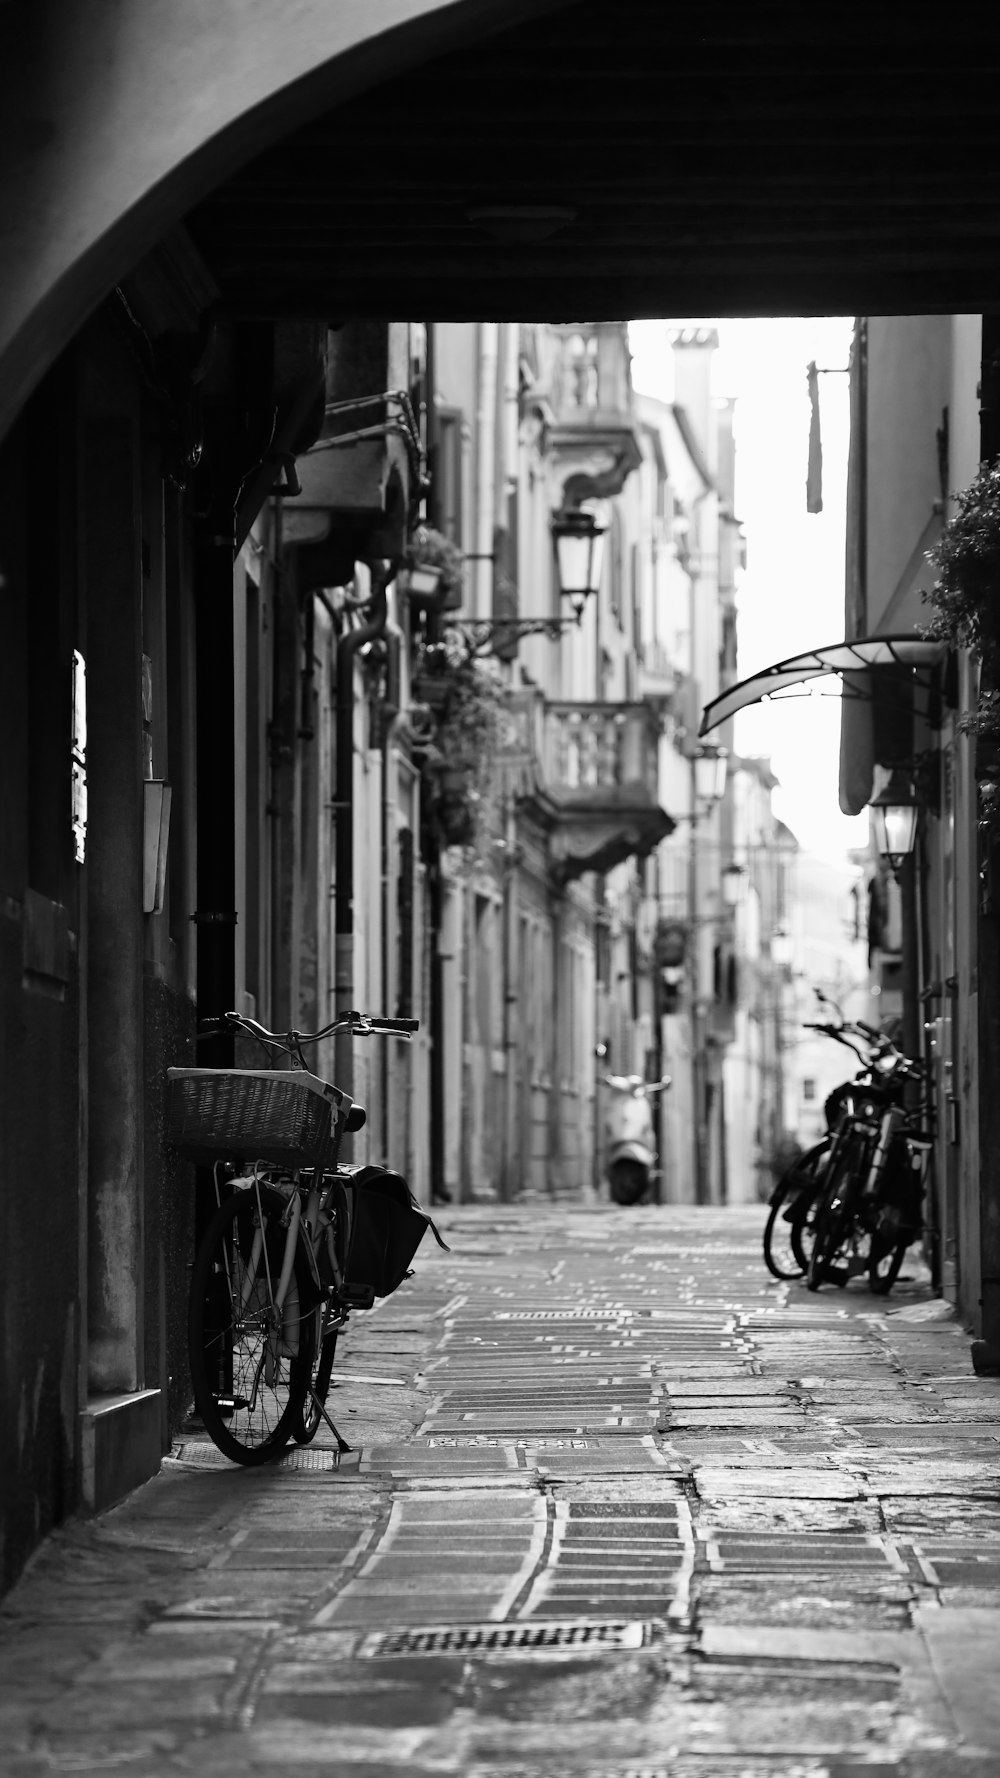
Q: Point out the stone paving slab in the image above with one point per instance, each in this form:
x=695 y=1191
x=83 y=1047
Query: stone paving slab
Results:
x=799 y=1539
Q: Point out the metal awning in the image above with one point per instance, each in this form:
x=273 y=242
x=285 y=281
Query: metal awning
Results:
x=845 y=658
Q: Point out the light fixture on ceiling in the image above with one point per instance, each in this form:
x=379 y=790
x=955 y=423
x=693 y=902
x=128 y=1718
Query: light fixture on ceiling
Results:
x=521 y=222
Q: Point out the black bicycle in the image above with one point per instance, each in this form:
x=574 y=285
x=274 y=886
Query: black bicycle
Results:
x=871 y=1207
x=296 y=1241
x=789 y=1232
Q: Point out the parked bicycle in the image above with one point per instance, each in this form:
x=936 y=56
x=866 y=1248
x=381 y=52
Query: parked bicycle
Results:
x=870 y=1206
x=296 y=1242
x=790 y=1230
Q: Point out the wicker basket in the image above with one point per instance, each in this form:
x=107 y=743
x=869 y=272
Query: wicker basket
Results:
x=290 y=1118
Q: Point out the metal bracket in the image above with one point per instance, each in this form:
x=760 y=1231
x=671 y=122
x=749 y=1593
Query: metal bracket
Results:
x=480 y=634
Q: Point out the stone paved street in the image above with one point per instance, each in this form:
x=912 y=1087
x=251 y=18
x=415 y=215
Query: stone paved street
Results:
x=619 y=1505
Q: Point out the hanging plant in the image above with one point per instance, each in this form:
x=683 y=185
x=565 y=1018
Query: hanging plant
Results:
x=966 y=601
x=966 y=592
x=434 y=565
x=468 y=699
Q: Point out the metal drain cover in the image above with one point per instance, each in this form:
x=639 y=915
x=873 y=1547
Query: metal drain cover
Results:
x=450 y=1639
x=318 y=1457
x=582 y=1314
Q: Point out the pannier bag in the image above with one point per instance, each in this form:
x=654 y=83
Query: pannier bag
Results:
x=385 y=1226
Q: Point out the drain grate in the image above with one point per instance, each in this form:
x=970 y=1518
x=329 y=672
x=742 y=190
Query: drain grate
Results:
x=208 y=1457
x=611 y=1313
x=506 y=1638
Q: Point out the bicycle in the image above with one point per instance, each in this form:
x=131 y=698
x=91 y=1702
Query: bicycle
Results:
x=296 y=1240
x=789 y=1231
x=870 y=1209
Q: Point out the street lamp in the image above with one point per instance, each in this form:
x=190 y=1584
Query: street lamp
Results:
x=896 y=809
x=732 y=885
x=781 y=947
x=579 y=546
x=709 y=765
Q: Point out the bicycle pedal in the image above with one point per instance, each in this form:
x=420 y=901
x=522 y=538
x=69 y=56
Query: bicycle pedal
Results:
x=357 y=1296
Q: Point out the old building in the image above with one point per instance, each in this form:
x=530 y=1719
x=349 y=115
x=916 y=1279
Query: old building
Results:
x=195 y=215
x=915 y=441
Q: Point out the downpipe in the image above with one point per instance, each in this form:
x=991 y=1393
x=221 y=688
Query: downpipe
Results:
x=347 y=649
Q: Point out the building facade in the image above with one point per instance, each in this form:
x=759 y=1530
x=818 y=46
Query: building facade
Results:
x=296 y=719
x=918 y=435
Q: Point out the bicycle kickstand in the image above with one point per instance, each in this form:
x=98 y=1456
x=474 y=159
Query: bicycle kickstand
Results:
x=343 y=1448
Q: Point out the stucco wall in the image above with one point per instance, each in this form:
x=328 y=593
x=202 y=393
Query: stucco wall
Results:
x=39 y=1017
x=909 y=387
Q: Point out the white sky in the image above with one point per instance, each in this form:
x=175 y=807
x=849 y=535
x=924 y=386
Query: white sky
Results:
x=791 y=596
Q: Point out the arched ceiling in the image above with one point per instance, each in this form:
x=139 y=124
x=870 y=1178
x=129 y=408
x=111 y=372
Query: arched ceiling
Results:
x=467 y=158
x=640 y=158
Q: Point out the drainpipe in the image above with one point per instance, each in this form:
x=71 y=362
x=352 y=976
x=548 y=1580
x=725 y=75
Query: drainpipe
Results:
x=347 y=648
x=393 y=721
x=699 y=1058
x=486 y=418
x=435 y=888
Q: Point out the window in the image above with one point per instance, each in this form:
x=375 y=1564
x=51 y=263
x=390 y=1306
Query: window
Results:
x=447 y=473
x=581 y=370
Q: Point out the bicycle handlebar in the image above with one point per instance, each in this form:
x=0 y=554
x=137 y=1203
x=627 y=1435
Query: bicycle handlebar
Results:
x=359 y=1024
x=838 y=1035
x=882 y=1048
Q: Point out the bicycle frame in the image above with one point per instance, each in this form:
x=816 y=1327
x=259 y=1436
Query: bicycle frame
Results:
x=893 y=1119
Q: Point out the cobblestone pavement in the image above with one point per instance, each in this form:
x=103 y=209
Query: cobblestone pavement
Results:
x=620 y=1506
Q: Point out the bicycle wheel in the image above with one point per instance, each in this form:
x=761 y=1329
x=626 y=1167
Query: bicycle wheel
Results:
x=250 y=1359
x=888 y=1247
x=778 y=1255
x=796 y=1186
x=840 y=1244
x=802 y=1226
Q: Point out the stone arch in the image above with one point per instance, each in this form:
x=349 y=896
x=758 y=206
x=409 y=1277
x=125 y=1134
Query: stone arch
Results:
x=117 y=117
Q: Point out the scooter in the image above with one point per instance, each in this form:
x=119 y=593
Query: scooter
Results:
x=630 y=1165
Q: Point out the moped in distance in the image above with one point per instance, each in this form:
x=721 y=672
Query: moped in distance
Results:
x=630 y=1164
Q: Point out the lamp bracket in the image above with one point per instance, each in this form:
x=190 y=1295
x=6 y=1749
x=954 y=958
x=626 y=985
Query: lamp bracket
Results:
x=480 y=635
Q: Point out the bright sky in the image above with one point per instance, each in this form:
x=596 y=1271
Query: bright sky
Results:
x=791 y=596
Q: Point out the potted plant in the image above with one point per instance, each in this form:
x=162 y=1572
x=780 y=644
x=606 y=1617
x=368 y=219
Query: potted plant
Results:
x=434 y=564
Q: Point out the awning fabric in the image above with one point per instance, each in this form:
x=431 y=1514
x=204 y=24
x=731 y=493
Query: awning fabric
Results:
x=850 y=659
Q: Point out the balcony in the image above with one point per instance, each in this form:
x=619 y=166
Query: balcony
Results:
x=355 y=478
x=591 y=772
x=593 y=441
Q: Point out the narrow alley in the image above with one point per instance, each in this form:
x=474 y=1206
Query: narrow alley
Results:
x=618 y=1504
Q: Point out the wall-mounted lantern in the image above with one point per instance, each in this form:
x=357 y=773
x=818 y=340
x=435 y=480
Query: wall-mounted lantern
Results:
x=781 y=948
x=579 y=547
x=733 y=880
x=710 y=766
x=896 y=810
